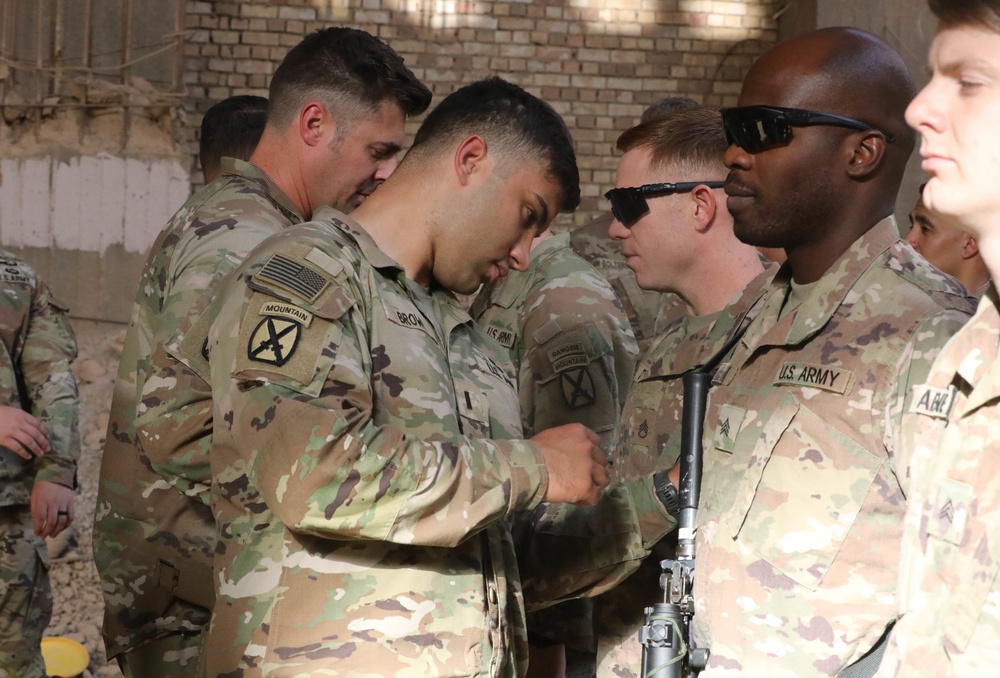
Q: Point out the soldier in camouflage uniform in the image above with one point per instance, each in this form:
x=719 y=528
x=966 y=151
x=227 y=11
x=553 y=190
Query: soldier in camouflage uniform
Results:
x=647 y=310
x=949 y=588
x=39 y=447
x=801 y=504
x=950 y=248
x=335 y=123
x=362 y=511
x=574 y=355
x=682 y=244
x=642 y=307
x=230 y=129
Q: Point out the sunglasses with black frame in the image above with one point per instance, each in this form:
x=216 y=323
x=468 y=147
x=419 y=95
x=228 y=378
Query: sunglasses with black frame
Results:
x=628 y=205
x=759 y=128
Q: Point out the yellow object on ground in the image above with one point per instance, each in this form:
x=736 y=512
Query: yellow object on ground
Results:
x=64 y=657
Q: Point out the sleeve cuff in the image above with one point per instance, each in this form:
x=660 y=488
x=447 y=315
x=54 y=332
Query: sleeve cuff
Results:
x=526 y=471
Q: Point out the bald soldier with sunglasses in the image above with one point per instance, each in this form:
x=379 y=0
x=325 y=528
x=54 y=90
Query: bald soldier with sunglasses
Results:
x=803 y=492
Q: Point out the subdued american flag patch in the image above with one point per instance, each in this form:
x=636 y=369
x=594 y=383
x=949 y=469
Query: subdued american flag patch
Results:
x=293 y=276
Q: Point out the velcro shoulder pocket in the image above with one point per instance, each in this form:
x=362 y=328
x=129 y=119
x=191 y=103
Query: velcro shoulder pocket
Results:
x=292 y=327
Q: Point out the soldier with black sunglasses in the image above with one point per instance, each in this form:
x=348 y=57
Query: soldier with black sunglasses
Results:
x=803 y=492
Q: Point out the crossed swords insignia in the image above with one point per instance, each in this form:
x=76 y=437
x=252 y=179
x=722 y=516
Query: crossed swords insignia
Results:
x=274 y=340
x=578 y=388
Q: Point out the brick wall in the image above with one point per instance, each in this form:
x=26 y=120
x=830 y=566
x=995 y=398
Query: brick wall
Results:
x=599 y=63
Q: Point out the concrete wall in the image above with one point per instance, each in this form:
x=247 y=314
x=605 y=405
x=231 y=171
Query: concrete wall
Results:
x=86 y=221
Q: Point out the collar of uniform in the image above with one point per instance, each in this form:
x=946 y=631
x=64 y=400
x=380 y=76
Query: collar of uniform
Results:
x=242 y=168
x=833 y=288
x=972 y=353
x=356 y=233
x=698 y=338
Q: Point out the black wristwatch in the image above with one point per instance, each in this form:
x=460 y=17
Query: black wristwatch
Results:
x=667 y=493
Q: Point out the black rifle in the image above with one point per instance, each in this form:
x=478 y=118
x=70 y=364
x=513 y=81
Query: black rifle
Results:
x=667 y=645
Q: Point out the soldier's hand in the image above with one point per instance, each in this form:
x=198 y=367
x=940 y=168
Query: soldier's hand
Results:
x=51 y=508
x=577 y=467
x=22 y=433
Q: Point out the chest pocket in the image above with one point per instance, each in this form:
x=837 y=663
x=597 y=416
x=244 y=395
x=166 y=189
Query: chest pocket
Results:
x=575 y=373
x=803 y=490
x=965 y=544
x=645 y=429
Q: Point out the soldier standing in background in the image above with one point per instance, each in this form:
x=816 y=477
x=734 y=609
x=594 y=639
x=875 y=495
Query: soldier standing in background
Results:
x=231 y=129
x=801 y=498
x=574 y=354
x=646 y=310
x=949 y=588
x=335 y=123
x=679 y=241
x=39 y=448
x=947 y=246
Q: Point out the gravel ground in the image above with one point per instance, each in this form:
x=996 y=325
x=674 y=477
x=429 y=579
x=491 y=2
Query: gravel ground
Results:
x=78 y=605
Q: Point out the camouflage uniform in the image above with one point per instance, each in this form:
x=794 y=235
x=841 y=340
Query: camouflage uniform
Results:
x=361 y=512
x=35 y=354
x=574 y=354
x=949 y=589
x=649 y=441
x=801 y=509
x=153 y=540
x=647 y=311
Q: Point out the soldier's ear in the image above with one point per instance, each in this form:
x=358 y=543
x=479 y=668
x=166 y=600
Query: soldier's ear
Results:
x=866 y=155
x=970 y=247
x=314 y=121
x=704 y=204
x=472 y=160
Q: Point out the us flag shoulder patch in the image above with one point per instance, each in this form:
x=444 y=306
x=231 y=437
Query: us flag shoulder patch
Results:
x=294 y=276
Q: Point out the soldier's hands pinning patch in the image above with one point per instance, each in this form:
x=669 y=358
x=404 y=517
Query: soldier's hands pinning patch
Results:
x=274 y=340
x=578 y=388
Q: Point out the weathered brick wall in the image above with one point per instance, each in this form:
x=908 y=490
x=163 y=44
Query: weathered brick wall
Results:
x=599 y=63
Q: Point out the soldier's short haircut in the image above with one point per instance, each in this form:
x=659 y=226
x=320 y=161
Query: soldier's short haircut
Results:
x=515 y=124
x=349 y=71
x=660 y=108
x=691 y=137
x=230 y=128
x=952 y=13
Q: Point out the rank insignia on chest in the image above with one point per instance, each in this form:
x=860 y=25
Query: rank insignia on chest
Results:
x=274 y=340
x=578 y=388
x=933 y=402
x=730 y=422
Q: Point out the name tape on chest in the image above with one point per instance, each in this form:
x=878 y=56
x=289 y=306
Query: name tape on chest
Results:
x=497 y=371
x=11 y=272
x=502 y=336
x=407 y=318
x=933 y=402
x=831 y=379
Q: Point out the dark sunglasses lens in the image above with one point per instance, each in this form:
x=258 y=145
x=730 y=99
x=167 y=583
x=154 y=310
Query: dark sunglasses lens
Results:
x=627 y=205
x=755 y=130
